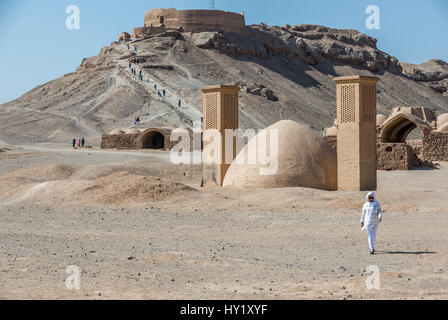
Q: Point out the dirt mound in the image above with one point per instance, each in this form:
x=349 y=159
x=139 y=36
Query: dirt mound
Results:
x=10 y=187
x=93 y=184
x=43 y=173
x=127 y=188
x=304 y=160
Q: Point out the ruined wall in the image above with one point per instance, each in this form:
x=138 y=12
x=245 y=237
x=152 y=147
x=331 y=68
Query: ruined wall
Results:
x=395 y=156
x=435 y=146
x=139 y=141
x=120 y=141
x=196 y=20
x=143 y=32
x=123 y=36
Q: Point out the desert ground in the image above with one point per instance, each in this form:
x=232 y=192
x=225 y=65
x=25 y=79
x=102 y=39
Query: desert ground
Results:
x=140 y=227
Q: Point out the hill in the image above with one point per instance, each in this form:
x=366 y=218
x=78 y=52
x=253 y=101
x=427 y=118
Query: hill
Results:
x=283 y=72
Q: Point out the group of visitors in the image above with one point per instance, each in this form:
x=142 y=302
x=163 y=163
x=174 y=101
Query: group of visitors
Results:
x=134 y=72
x=80 y=142
x=137 y=121
x=160 y=93
x=129 y=48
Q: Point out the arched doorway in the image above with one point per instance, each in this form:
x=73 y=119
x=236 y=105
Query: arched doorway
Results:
x=154 y=140
x=401 y=142
x=397 y=130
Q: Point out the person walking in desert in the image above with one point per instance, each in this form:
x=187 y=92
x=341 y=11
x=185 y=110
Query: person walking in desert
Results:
x=371 y=217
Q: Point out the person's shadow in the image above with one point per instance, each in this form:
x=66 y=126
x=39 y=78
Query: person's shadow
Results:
x=404 y=252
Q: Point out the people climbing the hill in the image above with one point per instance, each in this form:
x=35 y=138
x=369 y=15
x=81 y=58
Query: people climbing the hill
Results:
x=155 y=86
x=79 y=143
x=130 y=65
x=180 y=103
x=83 y=142
x=158 y=92
x=164 y=92
x=128 y=46
x=74 y=142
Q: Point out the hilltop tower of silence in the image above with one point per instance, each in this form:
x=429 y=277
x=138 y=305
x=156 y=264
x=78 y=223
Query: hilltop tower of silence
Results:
x=161 y=20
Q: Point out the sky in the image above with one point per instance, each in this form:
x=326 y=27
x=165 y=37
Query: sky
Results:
x=36 y=46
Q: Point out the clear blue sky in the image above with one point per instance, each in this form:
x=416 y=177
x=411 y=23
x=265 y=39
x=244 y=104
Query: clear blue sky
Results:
x=36 y=47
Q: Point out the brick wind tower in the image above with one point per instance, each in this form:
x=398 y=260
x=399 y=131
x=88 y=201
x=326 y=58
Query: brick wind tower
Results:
x=356 y=139
x=220 y=111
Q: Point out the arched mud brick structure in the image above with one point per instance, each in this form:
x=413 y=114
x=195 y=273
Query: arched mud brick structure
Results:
x=155 y=138
x=394 y=151
x=124 y=36
x=401 y=122
x=195 y=20
x=151 y=138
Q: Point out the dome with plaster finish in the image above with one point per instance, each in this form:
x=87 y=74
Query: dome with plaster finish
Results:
x=380 y=119
x=331 y=132
x=117 y=131
x=304 y=160
x=131 y=131
x=443 y=128
x=442 y=120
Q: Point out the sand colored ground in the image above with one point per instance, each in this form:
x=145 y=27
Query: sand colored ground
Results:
x=165 y=238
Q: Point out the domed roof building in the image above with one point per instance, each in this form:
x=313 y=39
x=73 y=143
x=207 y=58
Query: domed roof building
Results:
x=304 y=160
x=442 y=120
x=131 y=131
x=117 y=131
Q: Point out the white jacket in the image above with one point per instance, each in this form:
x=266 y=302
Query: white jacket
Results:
x=371 y=212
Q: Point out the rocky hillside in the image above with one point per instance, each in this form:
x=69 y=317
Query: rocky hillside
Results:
x=283 y=72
